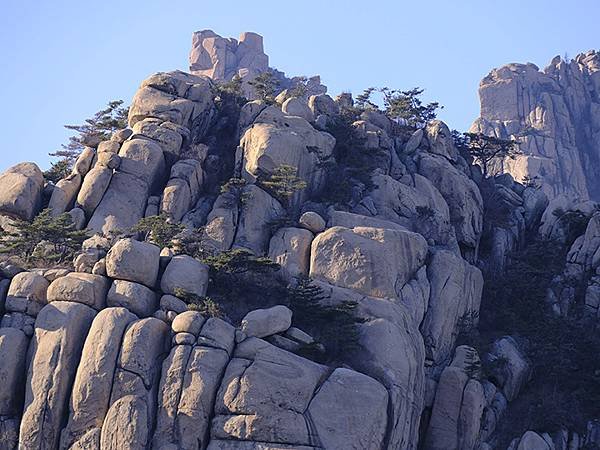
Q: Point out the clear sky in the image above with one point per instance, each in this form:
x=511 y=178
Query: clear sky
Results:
x=62 y=60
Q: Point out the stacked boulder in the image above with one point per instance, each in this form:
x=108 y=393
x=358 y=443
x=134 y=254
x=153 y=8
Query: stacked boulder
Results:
x=121 y=180
x=129 y=366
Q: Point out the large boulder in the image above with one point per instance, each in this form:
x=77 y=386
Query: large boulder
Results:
x=90 y=398
x=82 y=288
x=55 y=351
x=511 y=368
x=243 y=219
x=176 y=97
x=190 y=380
x=64 y=194
x=133 y=261
x=21 y=191
x=413 y=202
x=374 y=261
x=458 y=406
x=350 y=411
x=257 y=410
x=168 y=134
x=290 y=248
x=266 y=322
x=144 y=159
x=187 y=274
x=462 y=196
x=276 y=140
x=456 y=288
x=122 y=205
x=136 y=297
x=13 y=354
x=93 y=188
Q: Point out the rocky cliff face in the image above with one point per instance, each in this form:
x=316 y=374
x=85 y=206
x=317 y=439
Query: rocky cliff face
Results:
x=106 y=355
x=555 y=115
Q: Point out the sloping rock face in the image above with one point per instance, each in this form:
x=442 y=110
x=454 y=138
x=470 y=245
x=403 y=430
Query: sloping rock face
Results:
x=555 y=115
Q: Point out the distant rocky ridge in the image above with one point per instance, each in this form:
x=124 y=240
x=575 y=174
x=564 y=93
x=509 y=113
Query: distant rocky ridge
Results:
x=106 y=356
x=555 y=115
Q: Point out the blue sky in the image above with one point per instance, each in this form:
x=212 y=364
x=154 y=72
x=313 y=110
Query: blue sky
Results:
x=62 y=60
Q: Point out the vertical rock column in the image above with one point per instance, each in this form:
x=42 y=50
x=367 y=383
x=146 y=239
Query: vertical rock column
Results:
x=23 y=297
x=129 y=421
x=61 y=328
x=164 y=114
x=191 y=377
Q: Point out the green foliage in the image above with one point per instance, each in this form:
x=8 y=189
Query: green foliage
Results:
x=192 y=243
x=57 y=235
x=300 y=89
x=239 y=261
x=233 y=185
x=204 y=305
x=425 y=212
x=158 y=230
x=333 y=325
x=565 y=386
x=363 y=100
x=58 y=170
x=573 y=222
x=231 y=90
x=234 y=190
x=487 y=149
x=352 y=164
x=265 y=85
x=95 y=129
x=283 y=183
x=233 y=87
x=407 y=106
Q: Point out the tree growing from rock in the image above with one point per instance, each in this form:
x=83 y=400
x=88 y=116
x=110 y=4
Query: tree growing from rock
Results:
x=94 y=130
x=46 y=240
x=283 y=183
x=334 y=325
x=265 y=85
x=406 y=107
x=485 y=150
x=158 y=230
x=300 y=88
x=204 y=305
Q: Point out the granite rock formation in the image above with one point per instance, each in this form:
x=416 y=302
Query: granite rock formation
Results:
x=555 y=116
x=108 y=354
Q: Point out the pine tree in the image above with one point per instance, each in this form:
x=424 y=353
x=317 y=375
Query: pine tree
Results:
x=334 y=325
x=92 y=131
x=487 y=149
x=264 y=86
x=204 y=305
x=57 y=234
x=283 y=183
x=407 y=107
x=363 y=100
x=158 y=230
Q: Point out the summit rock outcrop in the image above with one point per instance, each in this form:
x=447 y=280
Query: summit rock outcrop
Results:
x=554 y=114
